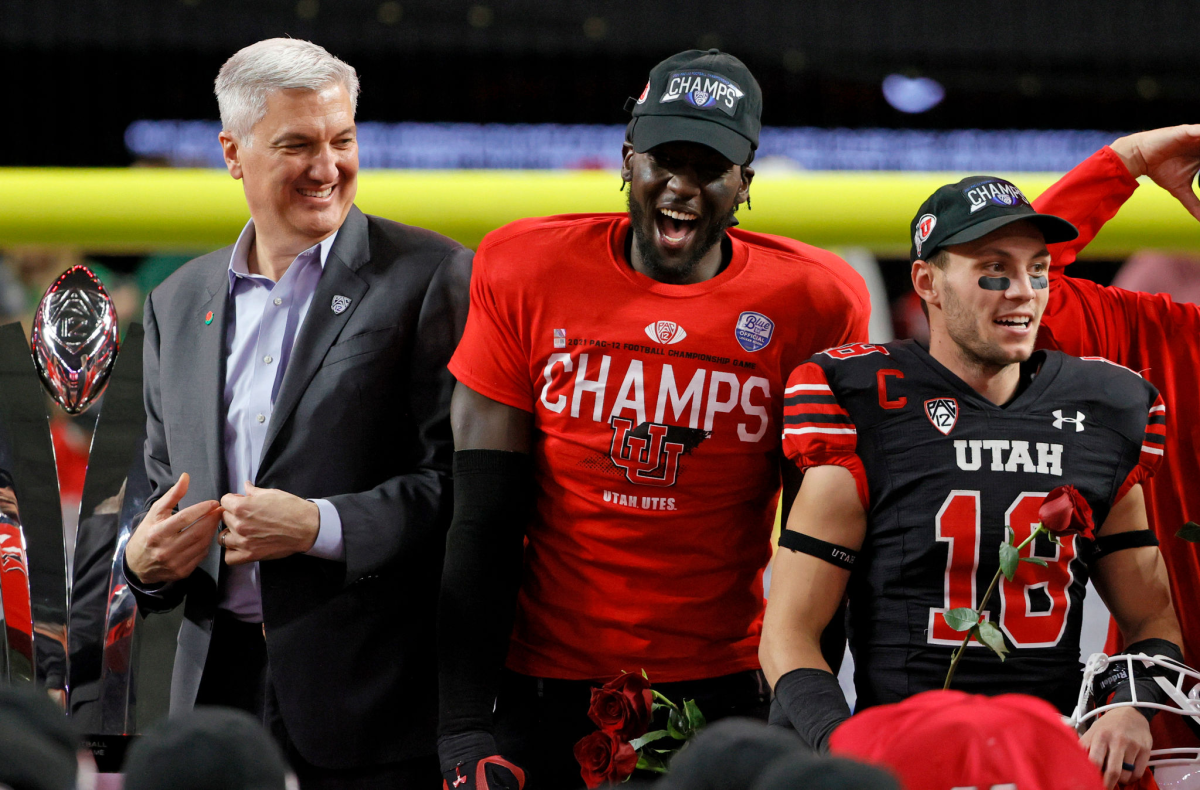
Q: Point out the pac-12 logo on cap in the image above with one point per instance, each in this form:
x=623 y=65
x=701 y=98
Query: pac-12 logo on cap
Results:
x=925 y=226
x=753 y=331
x=645 y=92
x=996 y=193
x=703 y=90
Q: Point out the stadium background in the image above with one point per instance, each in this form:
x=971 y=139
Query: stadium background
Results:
x=477 y=113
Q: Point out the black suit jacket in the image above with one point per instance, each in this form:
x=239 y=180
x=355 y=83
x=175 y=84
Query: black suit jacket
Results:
x=362 y=418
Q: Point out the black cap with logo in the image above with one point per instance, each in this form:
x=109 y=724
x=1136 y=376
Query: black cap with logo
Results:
x=973 y=208
x=707 y=97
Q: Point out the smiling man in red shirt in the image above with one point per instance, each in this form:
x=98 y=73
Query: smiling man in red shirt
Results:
x=619 y=408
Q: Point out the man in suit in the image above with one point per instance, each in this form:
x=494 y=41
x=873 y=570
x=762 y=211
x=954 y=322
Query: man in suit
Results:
x=296 y=390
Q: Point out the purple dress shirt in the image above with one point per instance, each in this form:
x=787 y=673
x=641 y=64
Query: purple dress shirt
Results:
x=260 y=331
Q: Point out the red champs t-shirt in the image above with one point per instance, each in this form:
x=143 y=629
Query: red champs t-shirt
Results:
x=658 y=412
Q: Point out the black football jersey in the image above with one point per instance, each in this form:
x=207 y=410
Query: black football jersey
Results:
x=942 y=473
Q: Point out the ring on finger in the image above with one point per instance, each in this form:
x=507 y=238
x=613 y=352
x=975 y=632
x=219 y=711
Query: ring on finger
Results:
x=221 y=537
x=1127 y=766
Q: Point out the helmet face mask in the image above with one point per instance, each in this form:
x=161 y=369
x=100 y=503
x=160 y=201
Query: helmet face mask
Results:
x=1172 y=677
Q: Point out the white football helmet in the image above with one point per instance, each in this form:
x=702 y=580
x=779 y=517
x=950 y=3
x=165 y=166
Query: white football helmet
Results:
x=1174 y=769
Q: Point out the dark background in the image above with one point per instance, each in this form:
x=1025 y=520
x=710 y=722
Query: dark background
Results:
x=79 y=72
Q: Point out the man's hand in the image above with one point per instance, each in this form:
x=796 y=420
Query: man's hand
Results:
x=1119 y=736
x=166 y=547
x=1170 y=156
x=267 y=524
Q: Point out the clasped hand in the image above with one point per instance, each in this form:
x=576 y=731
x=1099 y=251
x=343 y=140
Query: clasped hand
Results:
x=267 y=524
x=1118 y=738
x=166 y=546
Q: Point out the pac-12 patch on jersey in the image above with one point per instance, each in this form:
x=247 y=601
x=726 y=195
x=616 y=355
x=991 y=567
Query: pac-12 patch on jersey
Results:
x=943 y=413
x=753 y=331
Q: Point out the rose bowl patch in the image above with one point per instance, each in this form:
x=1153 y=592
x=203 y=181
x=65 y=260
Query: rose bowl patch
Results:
x=753 y=331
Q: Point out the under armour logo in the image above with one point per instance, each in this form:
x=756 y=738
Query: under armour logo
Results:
x=461 y=780
x=1059 y=419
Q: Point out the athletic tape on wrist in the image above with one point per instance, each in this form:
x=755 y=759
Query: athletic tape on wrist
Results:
x=813 y=701
x=1114 y=685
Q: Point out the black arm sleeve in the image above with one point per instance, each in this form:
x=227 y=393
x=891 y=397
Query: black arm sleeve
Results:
x=811 y=701
x=493 y=495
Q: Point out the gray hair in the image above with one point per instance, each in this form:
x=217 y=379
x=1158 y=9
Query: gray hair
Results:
x=247 y=78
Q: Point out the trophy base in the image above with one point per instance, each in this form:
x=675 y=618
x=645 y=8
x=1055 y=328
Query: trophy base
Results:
x=108 y=750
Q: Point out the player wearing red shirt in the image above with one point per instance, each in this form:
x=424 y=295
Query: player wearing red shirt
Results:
x=1148 y=333
x=633 y=366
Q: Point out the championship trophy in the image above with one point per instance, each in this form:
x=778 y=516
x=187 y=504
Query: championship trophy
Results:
x=71 y=624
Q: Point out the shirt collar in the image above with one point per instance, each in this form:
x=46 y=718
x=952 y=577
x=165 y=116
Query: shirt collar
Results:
x=239 y=261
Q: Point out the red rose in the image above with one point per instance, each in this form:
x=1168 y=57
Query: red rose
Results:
x=623 y=706
x=1064 y=511
x=603 y=757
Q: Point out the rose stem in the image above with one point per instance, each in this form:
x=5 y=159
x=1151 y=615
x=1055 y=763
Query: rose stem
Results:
x=987 y=596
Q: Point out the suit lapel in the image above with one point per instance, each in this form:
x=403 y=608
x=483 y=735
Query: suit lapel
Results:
x=322 y=325
x=210 y=382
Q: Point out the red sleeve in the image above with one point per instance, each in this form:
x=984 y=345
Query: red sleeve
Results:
x=857 y=323
x=491 y=358
x=817 y=431
x=1154 y=445
x=1087 y=197
x=1083 y=318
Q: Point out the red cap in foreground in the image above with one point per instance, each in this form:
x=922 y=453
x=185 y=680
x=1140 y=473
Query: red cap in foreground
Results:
x=941 y=740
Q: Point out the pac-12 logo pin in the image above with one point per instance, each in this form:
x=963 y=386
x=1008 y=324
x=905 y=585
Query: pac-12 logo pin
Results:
x=340 y=303
x=943 y=413
x=925 y=226
x=753 y=331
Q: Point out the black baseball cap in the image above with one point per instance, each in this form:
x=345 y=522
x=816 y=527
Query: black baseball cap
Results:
x=38 y=743
x=973 y=208
x=707 y=97
x=208 y=748
x=730 y=755
x=823 y=773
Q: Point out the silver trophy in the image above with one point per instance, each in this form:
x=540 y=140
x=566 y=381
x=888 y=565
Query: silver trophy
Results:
x=70 y=623
x=75 y=340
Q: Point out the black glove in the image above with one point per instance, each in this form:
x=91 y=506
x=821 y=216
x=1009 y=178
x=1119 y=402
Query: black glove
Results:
x=469 y=762
x=488 y=773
